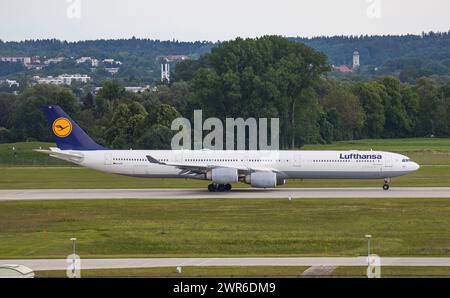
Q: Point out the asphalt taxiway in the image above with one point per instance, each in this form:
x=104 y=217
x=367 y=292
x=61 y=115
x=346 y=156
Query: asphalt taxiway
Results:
x=246 y=193
x=61 y=264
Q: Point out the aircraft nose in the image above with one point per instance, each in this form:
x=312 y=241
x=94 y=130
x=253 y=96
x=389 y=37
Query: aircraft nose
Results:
x=415 y=166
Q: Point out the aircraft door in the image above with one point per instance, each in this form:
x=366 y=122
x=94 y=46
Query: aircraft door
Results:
x=179 y=157
x=108 y=159
x=388 y=162
x=297 y=160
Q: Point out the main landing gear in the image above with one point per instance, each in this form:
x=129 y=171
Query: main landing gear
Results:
x=219 y=187
x=386 y=183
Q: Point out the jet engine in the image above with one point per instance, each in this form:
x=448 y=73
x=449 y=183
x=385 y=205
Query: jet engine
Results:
x=223 y=175
x=263 y=179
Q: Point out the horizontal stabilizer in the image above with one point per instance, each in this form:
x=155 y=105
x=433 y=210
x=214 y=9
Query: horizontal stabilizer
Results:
x=69 y=156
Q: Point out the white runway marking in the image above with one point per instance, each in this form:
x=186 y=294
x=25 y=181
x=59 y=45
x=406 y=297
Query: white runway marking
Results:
x=61 y=264
x=246 y=193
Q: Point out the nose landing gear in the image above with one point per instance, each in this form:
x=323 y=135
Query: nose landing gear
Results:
x=219 y=187
x=386 y=183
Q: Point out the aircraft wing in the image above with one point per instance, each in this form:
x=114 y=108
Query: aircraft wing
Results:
x=200 y=169
x=69 y=156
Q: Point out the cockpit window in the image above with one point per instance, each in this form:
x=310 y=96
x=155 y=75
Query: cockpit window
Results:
x=406 y=160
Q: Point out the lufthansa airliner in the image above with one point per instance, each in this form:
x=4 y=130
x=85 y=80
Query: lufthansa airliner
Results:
x=262 y=169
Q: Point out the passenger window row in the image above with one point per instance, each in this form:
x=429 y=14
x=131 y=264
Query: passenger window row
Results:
x=234 y=160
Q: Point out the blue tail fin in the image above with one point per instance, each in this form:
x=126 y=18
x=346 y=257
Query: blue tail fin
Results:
x=66 y=133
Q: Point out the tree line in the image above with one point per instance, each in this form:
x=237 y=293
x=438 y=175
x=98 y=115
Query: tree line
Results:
x=408 y=56
x=262 y=78
x=411 y=56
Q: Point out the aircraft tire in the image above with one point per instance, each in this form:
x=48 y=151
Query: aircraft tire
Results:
x=211 y=187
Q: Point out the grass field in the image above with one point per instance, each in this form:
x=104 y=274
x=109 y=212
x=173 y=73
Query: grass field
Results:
x=28 y=169
x=226 y=227
x=263 y=271
x=23 y=155
x=225 y=271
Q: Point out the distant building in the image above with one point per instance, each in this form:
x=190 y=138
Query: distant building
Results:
x=54 y=60
x=355 y=60
x=93 y=61
x=146 y=88
x=342 y=68
x=26 y=61
x=355 y=65
x=83 y=60
x=10 y=83
x=111 y=61
x=138 y=89
x=64 y=79
x=172 y=58
x=112 y=70
x=165 y=72
x=35 y=59
x=69 y=78
x=48 y=80
x=23 y=60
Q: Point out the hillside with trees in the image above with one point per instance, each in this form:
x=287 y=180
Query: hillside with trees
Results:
x=264 y=77
x=408 y=57
x=140 y=57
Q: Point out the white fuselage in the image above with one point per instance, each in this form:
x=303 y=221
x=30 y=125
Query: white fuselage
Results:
x=288 y=164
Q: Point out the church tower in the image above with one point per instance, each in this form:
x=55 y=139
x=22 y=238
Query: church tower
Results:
x=355 y=60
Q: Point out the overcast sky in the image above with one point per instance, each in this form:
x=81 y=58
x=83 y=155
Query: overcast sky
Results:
x=216 y=20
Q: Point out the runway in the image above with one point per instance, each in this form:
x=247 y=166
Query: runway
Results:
x=61 y=264
x=246 y=193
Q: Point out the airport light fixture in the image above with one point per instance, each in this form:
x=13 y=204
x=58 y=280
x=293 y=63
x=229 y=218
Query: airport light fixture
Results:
x=73 y=244
x=368 y=248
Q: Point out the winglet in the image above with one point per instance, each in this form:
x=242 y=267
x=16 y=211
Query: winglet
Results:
x=64 y=155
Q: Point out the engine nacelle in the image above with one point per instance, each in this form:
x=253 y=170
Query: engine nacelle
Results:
x=263 y=179
x=281 y=181
x=223 y=175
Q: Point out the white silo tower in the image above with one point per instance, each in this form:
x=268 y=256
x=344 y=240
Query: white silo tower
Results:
x=165 y=71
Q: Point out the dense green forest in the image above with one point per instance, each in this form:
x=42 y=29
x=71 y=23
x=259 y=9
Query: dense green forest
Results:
x=102 y=48
x=265 y=77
